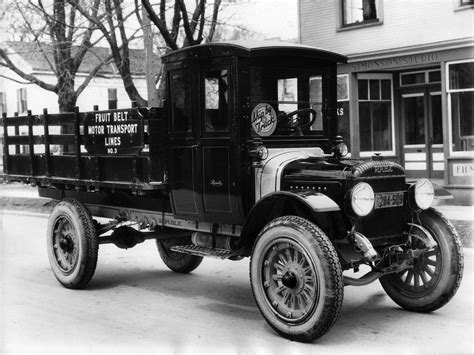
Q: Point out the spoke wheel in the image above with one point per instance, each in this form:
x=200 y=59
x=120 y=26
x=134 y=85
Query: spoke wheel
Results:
x=65 y=244
x=423 y=278
x=72 y=244
x=290 y=280
x=436 y=273
x=296 y=278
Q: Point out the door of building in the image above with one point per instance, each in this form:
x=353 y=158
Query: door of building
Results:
x=422 y=132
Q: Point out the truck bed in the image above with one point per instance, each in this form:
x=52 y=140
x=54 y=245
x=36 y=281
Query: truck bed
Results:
x=72 y=150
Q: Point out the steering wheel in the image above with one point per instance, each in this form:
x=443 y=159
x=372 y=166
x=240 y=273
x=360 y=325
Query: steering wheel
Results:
x=296 y=122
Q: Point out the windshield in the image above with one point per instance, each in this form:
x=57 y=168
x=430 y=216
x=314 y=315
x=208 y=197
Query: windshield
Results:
x=286 y=101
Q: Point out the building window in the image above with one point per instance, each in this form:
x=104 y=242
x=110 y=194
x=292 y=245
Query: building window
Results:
x=420 y=77
x=21 y=100
x=357 y=12
x=460 y=100
x=112 y=97
x=375 y=114
x=3 y=102
x=343 y=116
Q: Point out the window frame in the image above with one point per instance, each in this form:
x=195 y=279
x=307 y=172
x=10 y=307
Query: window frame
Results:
x=22 y=104
x=3 y=102
x=187 y=72
x=379 y=76
x=109 y=101
x=425 y=82
x=348 y=99
x=209 y=69
x=449 y=103
x=352 y=26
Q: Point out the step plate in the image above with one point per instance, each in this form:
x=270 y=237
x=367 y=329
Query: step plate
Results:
x=202 y=251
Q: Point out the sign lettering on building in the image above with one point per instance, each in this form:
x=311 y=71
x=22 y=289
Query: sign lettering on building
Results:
x=402 y=61
x=463 y=169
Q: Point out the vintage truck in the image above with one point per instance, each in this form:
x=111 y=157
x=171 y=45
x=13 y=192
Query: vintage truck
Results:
x=243 y=160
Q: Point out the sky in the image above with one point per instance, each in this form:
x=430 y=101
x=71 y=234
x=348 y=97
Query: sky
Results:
x=272 y=18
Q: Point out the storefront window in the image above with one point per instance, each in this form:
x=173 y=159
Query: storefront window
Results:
x=375 y=114
x=461 y=102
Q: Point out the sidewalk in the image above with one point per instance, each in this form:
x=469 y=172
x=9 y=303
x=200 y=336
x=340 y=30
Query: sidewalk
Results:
x=25 y=197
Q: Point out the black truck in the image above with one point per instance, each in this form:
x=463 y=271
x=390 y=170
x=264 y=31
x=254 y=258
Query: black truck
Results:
x=243 y=160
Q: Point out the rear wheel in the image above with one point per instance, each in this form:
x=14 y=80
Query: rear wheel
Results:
x=296 y=278
x=177 y=262
x=72 y=244
x=436 y=274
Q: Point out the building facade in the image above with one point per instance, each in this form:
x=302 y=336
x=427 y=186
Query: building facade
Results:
x=407 y=90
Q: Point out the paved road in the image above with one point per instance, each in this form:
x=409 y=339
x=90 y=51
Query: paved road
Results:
x=134 y=304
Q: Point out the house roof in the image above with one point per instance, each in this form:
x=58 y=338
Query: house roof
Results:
x=40 y=57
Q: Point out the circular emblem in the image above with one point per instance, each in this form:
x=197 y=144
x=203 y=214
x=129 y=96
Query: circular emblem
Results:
x=264 y=120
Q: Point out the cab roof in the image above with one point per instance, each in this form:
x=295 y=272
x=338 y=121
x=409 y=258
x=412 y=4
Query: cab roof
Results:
x=253 y=49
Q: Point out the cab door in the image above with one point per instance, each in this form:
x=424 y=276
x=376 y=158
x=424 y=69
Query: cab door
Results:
x=219 y=154
x=183 y=147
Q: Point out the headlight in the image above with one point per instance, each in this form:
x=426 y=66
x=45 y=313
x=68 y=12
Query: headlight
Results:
x=362 y=199
x=424 y=194
x=341 y=149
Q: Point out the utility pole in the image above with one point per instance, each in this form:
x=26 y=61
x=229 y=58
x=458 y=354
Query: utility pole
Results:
x=152 y=93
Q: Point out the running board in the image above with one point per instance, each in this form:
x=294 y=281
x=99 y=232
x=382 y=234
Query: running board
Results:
x=202 y=251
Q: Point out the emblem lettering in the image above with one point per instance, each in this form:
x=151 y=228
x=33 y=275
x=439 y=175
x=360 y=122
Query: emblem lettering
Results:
x=264 y=120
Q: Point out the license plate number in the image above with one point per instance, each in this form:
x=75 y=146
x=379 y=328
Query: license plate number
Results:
x=388 y=199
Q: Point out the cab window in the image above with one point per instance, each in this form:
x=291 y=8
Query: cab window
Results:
x=288 y=90
x=216 y=89
x=181 y=100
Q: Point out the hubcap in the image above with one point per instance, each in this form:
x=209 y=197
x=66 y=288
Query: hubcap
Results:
x=290 y=280
x=65 y=246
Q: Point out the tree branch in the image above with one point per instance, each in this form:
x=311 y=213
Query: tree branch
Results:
x=160 y=24
x=31 y=78
x=215 y=13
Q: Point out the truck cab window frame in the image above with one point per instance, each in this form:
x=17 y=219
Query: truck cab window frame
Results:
x=181 y=101
x=217 y=100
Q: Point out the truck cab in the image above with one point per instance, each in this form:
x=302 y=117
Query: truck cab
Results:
x=228 y=101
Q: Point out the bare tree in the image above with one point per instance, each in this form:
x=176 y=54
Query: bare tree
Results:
x=195 y=25
x=111 y=22
x=63 y=38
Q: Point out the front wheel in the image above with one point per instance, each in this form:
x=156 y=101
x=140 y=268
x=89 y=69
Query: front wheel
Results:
x=296 y=278
x=436 y=274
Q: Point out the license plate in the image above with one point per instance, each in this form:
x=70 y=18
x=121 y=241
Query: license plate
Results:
x=388 y=199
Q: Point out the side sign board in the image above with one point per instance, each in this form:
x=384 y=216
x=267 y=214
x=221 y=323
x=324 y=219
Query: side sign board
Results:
x=113 y=132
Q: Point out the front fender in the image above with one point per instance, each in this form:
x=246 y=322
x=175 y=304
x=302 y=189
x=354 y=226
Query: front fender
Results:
x=311 y=205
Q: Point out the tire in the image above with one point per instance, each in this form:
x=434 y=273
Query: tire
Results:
x=178 y=262
x=296 y=278
x=72 y=244
x=436 y=275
